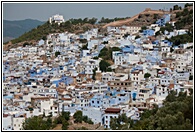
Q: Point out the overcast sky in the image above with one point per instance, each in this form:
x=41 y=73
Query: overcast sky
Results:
x=42 y=11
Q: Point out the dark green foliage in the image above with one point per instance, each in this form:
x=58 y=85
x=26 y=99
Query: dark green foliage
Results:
x=188 y=4
x=65 y=124
x=168 y=27
x=65 y=115
x=185 y=19
x=94 y=73
x=105 y=42
x=103 y=65
x=176 y=7
x=106 y=53
x=62 y=119
x=107 y=20
x=87 y=120
x=26 y=44
x=137 y=37
x=57 y=53
x=143 y=28
x=181 y=39
x=191 y=77
x=176 y=114
x=78 y=116
x=121 y=123
x=44 y=38
x=95 y=58
x=36 y=123
x=147 y=75
x=84 y=47
x=83 y=41
x=158 y=33
x=42 y=31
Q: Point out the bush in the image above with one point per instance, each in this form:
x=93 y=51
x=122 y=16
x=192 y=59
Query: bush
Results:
x=57 y=53
x=78 y=116
x=147 y=75
x=103 y=65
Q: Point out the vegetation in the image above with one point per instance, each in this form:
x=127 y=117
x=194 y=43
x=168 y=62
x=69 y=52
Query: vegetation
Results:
x=176 y=114
x=83 y=40
x=107 y=20
x=94 y=73
x=191 y=77
x=79 y=118
x=36 y=123
x=147 y=75
x=103 y=65
x=57 y=53
x=25 y=44
x=106 y=53
x=84 y=47
x=116 y=123
x=176 y=7
x=168 y=27
x=188 y=4
x=138 y=36
x=63 y=119
x=181 y=39
x=42 y=31
x=143 y=28
x=185 y=18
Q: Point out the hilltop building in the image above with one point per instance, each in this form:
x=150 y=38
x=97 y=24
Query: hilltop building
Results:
x=57 y=19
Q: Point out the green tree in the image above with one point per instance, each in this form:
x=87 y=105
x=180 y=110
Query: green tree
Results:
x=57 y=53
x=65 y=124
x=191 y=77
x=78 y=116
x=147 y=75
x=94 y=73
x=26 y=44
x=36 y=123
x=103 y=65
x=175 y=7
x=138 y=36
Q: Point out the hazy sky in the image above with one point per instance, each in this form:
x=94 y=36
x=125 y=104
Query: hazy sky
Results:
x=42 y=11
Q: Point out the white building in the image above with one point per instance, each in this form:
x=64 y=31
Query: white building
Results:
x=57 y=19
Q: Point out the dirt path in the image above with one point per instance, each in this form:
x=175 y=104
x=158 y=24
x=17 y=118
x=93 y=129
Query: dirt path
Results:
x=129 y=20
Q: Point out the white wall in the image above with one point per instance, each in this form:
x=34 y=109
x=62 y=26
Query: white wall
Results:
x=93 y=113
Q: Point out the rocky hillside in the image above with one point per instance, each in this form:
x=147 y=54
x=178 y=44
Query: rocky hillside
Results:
x=146 y=17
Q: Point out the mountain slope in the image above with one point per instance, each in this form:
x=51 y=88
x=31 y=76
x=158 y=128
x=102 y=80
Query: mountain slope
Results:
x=147 y=11
x=14 y=29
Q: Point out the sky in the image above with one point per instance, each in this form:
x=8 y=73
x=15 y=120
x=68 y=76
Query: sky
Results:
x=42 y=11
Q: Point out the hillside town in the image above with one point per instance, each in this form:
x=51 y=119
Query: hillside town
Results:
x=64 y=73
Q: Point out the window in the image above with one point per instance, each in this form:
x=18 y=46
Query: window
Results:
x=106 y=116
x=97 y=102
x=92 y=101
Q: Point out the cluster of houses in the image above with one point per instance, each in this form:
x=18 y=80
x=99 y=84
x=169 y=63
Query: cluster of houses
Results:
x=36 y=82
